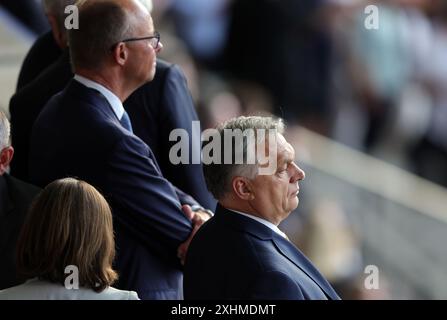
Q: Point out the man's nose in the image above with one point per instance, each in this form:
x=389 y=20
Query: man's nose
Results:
x=298 y=173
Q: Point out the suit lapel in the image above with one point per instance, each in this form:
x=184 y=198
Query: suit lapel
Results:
x=287 y=249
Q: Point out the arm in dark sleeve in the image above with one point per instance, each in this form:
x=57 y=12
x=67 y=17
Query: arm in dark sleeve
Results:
x=185 y=198
x=144 y=202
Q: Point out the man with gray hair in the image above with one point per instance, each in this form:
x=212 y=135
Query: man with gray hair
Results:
x=240 y=253
x=84 y=131
x=55 y=12
x=15 y=198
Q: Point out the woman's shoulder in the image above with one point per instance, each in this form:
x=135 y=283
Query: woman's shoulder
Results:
x=35 y=289
x=116 y=294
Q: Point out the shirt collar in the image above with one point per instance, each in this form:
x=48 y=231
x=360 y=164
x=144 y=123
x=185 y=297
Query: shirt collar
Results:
x=111 y=98
x=264 y=222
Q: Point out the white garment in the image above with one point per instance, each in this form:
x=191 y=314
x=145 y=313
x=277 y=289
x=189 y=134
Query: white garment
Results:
x=264 y=222
x=35 y=289
x=114 y=101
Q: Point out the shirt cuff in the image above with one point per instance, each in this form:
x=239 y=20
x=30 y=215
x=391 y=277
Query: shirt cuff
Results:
x=196 y=207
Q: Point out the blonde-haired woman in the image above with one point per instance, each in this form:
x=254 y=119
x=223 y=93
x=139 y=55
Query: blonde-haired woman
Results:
x=66 y=246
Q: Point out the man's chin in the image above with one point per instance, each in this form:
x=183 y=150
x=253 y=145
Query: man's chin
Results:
x=292 y=206
x=151 y=76
x=295 y=203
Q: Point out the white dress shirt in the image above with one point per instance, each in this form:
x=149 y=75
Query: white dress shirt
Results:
x=264 y=222
x=114 y=101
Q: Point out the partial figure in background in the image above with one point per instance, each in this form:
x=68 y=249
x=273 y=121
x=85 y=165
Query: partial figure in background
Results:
x=283 y=47
x=49 y=46
x=15 y=198
x=429 y=154
x=203 y=26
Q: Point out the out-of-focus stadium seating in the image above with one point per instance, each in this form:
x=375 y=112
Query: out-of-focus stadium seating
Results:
x=15 y=41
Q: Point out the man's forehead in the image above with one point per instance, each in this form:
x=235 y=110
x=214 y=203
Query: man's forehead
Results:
x=150 y=23
x=145 y=22
x=286 y=152
x=140 y=11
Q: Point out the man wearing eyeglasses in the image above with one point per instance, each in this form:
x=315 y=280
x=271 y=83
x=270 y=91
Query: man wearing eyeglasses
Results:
x=15 y=199
x=155 y=108
x=84 y=131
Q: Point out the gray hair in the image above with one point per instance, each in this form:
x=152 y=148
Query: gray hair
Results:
x=57 y=9
x=5 y=131
x=102 y=25
x=219 y=176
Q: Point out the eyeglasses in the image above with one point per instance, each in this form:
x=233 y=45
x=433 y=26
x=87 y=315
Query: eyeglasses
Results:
x=154 y=40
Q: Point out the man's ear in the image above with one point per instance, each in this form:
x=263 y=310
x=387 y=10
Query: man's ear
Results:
x=5 y=159
x=120 y=53
x=242 y=188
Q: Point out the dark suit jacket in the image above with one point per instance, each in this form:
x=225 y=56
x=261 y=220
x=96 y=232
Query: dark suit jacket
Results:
x=41 y=55
x=15 y=199
x=26 y=105
x=235 y=257
x=155 y=109
x=78 y=134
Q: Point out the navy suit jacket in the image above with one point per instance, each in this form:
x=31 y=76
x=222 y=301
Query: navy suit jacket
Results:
x=235 y=257
x=41 y=55
x=155 y=109
x=28 y=102
x=15 y=198
x=78 y=134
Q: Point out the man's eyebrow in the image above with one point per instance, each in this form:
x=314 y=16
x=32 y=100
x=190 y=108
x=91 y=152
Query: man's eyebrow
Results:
x=286 y=159
x=290 y=154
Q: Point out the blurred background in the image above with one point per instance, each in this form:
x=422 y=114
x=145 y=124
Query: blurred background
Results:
x=366 y=111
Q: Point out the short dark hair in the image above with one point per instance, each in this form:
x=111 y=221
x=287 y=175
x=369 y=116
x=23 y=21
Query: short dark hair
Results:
x=57 y=9
x=69 y=223
x=102 y=24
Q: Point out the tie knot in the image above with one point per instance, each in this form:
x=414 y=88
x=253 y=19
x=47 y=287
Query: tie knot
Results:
x=125 y=122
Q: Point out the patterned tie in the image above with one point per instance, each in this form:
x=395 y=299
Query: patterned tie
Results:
x=125 y=122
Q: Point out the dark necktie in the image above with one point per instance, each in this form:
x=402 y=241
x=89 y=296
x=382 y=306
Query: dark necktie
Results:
x=125 y=122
